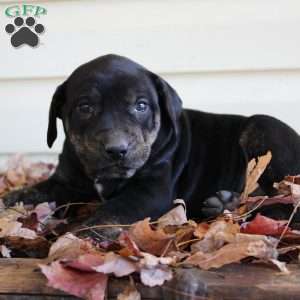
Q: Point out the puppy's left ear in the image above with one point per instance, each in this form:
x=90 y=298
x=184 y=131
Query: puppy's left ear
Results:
x=57 y=102
x=169 y=100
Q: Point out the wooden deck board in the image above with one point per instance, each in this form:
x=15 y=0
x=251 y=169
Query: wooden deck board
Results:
x=21 y=279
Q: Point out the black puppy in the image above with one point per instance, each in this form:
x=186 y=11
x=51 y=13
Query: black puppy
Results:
x=130 y=143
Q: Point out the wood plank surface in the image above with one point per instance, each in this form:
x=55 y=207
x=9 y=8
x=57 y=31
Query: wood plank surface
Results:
x=21 y=279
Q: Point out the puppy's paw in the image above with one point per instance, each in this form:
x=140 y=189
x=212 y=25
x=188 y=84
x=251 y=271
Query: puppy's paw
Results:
x=99 y=230
x=25 y=195
x=222 y=200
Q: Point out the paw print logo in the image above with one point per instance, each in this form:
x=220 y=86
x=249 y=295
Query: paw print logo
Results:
x=24 y=33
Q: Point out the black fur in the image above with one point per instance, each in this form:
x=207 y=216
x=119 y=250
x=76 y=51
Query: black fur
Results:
x=193 y=155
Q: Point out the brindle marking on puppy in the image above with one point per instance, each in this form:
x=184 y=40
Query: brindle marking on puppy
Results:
x=129 y=141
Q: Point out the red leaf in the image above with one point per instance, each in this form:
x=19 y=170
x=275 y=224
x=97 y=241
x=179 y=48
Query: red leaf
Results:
x=88 y=285
x=265 y=226
x=86 y=262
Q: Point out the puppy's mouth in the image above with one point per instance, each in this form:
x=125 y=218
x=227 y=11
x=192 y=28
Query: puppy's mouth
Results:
x=116 y=170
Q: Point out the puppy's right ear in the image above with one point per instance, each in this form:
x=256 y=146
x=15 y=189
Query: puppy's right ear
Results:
x=58 y=100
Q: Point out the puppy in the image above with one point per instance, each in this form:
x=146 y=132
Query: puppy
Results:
x=129 y=143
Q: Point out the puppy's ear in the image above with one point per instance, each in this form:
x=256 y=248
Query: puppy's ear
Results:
x=57 y=102
x=169 y=101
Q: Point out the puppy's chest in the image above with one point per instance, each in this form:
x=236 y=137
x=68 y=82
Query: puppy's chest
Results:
x=106 y=189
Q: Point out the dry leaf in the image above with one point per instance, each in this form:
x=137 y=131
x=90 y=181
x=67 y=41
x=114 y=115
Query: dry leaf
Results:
x=130 y=247
x=150 y=260
x=231 y=253
x=155 y=276
x=20 y=172
x=14 y=228
x=217 y=235
x=87 y=285
x=176 y=216
x=289 y=186
x=70 y=247
x=201 y=230
x=149 y=240
x=254 y=171
x=265 y=226
x=117 y=265
x=85 y=262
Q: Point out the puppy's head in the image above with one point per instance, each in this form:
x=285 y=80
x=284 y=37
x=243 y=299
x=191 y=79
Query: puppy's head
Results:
x=112 y=110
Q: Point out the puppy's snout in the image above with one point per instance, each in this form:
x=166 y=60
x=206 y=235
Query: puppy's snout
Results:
x=116 y=152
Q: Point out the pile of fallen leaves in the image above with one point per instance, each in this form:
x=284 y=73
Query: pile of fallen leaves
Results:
x=21 y=172
x=149 y=250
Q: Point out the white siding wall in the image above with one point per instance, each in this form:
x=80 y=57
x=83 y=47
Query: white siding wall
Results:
x=233 y=56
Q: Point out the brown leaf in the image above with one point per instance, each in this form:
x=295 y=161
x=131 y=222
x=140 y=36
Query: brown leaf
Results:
x=201 y=230
x=149 y=240
x=231 y=253
x=20 y=172
x=176 y=216
x=254 y=171
x=87 y=285
x=289 y=186
x=129 y=246
x=70 y=247
x=14 y=228
x=219 y=233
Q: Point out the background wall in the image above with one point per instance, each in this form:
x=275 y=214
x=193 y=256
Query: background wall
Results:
x=231 y=56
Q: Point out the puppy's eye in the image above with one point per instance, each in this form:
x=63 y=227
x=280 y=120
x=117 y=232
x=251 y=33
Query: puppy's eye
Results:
x=85 y=109
x=141 y=106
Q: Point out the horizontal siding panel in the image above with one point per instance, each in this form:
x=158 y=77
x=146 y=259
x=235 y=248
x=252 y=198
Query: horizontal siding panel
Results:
x=25 y=103
x=167 y=36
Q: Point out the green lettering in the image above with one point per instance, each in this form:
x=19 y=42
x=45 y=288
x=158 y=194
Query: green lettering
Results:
x=12 y=11
x=27 y=9
x=40 y=11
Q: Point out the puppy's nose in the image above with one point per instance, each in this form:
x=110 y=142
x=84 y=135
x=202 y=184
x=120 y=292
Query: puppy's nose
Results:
x=116 y=152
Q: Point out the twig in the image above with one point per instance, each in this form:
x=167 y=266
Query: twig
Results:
x=250 y=211
x=167 y=248
x=101 y=226
x=187 y=242
x=289 y=221
x=69 y=204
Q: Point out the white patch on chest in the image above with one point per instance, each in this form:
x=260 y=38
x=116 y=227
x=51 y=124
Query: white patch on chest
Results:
x=99 y=188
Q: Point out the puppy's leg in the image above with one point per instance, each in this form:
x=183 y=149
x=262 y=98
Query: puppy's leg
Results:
x=51 y=190
x=260 y=135
x=264 y=133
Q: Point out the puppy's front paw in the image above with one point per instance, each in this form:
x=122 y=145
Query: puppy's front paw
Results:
x=222 y=200
x=25 y=195
x=99 y=229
